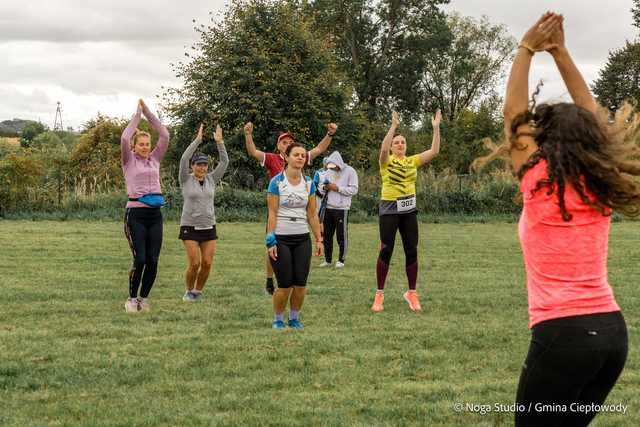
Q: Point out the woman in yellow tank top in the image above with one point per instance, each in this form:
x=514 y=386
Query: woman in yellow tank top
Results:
x=398 y=207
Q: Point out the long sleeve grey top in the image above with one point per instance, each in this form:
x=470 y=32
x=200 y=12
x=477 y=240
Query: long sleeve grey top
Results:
x=197 y=210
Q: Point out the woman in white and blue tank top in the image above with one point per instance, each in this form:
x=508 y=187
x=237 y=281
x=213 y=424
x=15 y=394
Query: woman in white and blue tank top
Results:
x=292 y=209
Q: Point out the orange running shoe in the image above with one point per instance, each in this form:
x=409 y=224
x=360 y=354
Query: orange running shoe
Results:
x=412 y=299
x=378 y=302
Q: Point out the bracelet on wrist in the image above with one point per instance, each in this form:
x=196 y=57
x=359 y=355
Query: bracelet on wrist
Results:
x=526 y=46
x=330 y=135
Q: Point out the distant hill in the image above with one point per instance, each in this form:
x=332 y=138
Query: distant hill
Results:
x=13 y=128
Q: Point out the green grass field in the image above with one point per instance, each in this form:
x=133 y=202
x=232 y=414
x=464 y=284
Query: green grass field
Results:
x=69 y=355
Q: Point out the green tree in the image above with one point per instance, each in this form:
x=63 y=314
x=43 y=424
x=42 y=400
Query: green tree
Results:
x=462 y=138
x=262 y=63
x=55 y=138
x=384 y=47
x=20 y=173
x=619 y=80
x=94 y=163
x=465 y=74
x=30 y=131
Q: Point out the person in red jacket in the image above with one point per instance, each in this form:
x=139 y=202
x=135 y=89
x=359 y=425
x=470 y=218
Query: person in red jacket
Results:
x=274 y=163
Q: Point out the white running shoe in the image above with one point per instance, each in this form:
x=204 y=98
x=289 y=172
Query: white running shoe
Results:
x=143 y=305
x=324 y=264
x=188 y=297
x=339 y=264
x=131 y=306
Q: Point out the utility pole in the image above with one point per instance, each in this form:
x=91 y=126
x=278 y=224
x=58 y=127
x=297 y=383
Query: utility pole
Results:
x=57 y=124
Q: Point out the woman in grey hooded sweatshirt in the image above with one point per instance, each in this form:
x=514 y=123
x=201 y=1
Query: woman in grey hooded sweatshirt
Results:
x=198 y=221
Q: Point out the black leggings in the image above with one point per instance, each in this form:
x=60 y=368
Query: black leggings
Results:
x=143 y=228
x=336 y=222
x=407 y=224
x=294 y=259
x=572 y=361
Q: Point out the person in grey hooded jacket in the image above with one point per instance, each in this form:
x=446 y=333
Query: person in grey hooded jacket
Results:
x=198 y=221
x=339 y=185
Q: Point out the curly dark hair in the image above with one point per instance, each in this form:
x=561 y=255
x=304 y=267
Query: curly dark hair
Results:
x=591 y=152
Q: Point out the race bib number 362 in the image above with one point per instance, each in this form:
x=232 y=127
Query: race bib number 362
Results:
x=406 y=204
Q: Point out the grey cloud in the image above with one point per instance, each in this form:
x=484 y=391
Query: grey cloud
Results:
x=66 y=21
x=92 y=68
x=34 y=105
x=100 y=56
x=20 y=101
x=591 y=30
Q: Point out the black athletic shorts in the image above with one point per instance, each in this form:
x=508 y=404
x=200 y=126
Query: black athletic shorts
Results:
x=188 y=232
x=294 y=260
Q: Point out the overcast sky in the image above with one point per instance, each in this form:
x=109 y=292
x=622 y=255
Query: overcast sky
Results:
x=98 y=56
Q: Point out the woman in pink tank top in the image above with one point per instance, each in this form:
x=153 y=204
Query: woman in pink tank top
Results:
x=574 y=172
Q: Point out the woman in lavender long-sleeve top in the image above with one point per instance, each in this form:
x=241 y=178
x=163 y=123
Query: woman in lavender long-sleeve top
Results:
x=142 y=223
x=198 y=221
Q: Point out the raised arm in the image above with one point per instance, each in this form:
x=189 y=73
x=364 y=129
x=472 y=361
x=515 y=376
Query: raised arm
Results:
x=324 y=144
x=186 y=157
x=223 y=162
x=163 y=134
x=386 y=142
x=572 y=77
x=517 y=96
x=127 y=134
x=250 y=145
x=428 y=155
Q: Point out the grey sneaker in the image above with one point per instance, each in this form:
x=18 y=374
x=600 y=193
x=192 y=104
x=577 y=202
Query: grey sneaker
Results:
x=196 y=295
x=131 y=306
x=143 y=305
x=188 y=297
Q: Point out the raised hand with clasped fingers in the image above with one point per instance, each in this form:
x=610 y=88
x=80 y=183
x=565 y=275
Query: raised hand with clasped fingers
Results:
x=556 y=40
x=538 y=37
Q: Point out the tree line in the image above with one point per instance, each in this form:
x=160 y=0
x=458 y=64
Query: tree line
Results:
x=294 y=66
